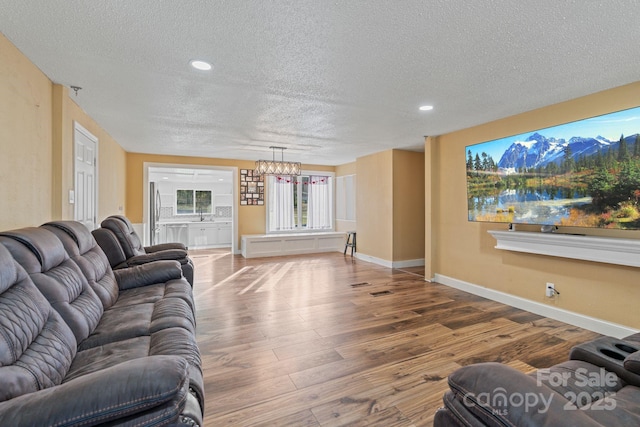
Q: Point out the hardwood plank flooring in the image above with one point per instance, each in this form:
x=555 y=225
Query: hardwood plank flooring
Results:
x=301 y=341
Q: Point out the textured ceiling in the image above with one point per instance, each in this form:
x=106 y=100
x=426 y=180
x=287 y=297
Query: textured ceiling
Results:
x=330 y=80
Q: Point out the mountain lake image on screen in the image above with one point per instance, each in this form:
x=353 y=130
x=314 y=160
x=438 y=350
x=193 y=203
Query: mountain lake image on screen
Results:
x=580 y=174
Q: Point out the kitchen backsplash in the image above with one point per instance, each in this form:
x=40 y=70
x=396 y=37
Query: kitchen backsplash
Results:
x=223 y=211
x=166 y=213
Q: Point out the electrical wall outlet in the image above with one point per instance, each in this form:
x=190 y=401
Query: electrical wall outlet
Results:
x=550 y=290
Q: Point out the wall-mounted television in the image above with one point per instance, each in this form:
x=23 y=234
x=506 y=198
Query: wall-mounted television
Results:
x=579 y=174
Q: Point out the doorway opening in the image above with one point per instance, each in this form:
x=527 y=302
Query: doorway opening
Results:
x=193 y=205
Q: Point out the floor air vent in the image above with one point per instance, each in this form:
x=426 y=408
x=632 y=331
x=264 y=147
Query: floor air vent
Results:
x=381 y=293
x=358 y=285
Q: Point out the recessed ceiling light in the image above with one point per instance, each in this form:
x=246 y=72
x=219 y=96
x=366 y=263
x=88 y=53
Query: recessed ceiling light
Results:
x=165 y=177
x=220 y=179
x=426 y=108
x=200 y=65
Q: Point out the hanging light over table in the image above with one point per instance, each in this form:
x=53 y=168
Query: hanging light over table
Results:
x=277 y=167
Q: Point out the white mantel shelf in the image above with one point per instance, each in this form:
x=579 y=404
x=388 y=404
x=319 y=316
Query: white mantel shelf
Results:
x=589 y=248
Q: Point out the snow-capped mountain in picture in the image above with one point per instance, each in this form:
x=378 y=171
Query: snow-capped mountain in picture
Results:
x=538 y=150
x=568 y=175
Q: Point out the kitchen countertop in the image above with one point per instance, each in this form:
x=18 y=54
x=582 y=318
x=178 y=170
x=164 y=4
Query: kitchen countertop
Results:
x=187 y=221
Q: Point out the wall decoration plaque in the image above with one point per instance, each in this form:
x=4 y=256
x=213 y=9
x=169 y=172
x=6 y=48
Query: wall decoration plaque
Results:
x=251 y=188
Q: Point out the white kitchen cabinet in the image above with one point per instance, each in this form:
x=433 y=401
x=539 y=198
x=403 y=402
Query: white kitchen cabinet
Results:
x=209 y=234
x=202 y=234
x=224 y=234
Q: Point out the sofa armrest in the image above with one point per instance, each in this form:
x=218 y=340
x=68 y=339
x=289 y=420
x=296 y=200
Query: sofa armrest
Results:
x=170 y=254
x=164 y=247
x=148 y=388
x=147 y=274
x=610 y=353
x=632 y=362
x=497 y=394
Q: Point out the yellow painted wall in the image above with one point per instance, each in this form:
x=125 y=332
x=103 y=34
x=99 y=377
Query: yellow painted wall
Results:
x=111 y=162
x=25 y=141
x=464 y=250
x=62 y=156
x=408 y=205
x=390 y=200
x=346 y=169
x=374 y=205
x=343 y=170
x=36 y=139
x=251 y=219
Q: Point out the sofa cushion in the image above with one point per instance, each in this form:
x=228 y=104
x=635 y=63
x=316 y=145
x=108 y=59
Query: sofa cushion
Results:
x=57 y=277
x=36 y=346
x=620 y=409
x=84 y=251
x=122 y=323
x=152 y=293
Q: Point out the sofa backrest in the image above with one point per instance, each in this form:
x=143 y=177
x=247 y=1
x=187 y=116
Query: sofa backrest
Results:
x=57 y=277
x=111 y=247
x=126 y=235
x=85 y=251
x=36 y=345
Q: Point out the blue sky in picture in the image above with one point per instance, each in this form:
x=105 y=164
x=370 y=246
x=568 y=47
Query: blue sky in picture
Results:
x=610 y=126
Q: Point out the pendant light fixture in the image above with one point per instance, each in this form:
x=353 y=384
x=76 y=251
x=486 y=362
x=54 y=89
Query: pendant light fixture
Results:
x=277 y=167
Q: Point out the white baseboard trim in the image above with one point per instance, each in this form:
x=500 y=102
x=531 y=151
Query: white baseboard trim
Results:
x=372 y=259
x=390 y=264
x=408 y=263
x=591 y=323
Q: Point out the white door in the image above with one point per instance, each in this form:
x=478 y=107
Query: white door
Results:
x=85 y=176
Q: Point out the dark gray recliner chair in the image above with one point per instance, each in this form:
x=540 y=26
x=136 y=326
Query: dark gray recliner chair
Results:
x=598 y=387
x=123 y=247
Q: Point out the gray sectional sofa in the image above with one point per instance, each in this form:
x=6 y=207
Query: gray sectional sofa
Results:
x=81 y=344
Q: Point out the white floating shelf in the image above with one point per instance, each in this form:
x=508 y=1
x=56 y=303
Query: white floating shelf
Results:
x=587 y=248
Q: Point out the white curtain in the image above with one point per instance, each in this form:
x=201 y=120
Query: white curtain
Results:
x=318 y=208
x=280 y=203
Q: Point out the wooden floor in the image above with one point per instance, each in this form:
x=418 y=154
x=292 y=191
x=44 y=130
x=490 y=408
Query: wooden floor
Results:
x=305 y=341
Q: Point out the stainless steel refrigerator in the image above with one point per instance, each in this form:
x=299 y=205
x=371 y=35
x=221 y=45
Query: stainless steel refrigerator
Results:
x=155 y=205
